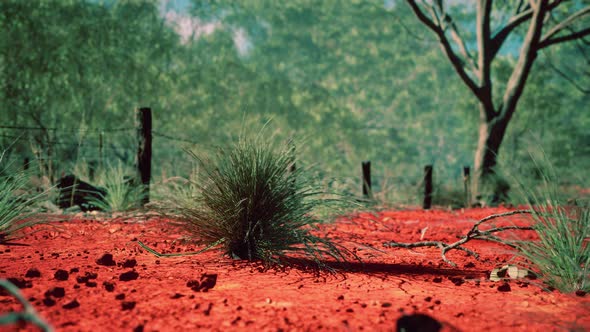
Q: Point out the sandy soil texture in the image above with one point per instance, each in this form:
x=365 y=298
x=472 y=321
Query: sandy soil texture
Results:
x=90 y=275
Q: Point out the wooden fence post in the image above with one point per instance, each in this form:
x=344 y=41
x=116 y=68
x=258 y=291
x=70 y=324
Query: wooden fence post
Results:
x=367 y=192
x=427 y=187
x=467 y=185
x=144 y=150
x=292 y=152
x=101 y=150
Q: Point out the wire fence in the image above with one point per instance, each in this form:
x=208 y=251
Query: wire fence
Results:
x=75 y=149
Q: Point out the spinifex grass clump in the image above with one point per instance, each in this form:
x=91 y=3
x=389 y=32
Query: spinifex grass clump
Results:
x=121 y=193
x=253 y=203
x=562 y=254
x=16 y=204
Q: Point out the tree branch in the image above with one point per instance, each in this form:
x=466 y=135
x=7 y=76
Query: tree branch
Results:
x=564 y=24
x=457 y=37
x=528 y=53
x=515 y=21
x=569 y=37
x=455 y=60
x=473 y=234
x=484 y=8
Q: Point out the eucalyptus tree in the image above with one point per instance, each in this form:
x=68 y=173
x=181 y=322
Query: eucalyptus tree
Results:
x=529 y=26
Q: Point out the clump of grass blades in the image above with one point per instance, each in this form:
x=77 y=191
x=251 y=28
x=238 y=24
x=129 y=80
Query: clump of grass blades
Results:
x=561 y=256
x=16 y=205
x=122 y=194
x=256 y=206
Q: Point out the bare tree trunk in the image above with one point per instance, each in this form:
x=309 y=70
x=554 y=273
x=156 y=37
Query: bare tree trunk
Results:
x=488 y=186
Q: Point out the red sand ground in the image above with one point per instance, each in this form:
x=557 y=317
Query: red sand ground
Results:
x=368 y=297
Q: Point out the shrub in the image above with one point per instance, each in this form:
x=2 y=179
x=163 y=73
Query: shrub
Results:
x=251 y=201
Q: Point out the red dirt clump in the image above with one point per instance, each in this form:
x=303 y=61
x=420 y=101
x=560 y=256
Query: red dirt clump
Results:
x=105 y=281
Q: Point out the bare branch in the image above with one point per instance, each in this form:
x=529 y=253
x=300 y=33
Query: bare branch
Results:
x=474 y=233
x=520 y=17
x=525 y=61
x=457 y=37
x=564 y=38
x=428 y=22
x=454 y=58
x=564 y=24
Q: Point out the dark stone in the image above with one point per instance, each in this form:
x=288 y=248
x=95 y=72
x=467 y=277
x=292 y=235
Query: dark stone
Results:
x=61 y=275
x=21 y=283
x=207 y=311
x=81 y=279
x=127 y=305
x=418 y=322
x=193 y=284
x=48 y=302
x=138 y=328
x=580 y=293
x=504 y=288
x=91 y=284
x=208 y=281
x=130 y=263
x=71 y=305
x=457 y=281
x=33 y=273
x=106 y=260
x=128 y=276
x=120 y=296
x=58 y=292
x=73 y=191
x=108 y=286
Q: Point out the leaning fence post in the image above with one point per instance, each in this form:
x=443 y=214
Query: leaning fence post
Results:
x=367 y=192
x=144 y=150
x=427 y=187
x=467 y=185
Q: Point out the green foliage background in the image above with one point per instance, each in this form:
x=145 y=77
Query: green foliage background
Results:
x=353 y=80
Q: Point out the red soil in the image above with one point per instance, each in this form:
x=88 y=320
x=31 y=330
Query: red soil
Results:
x=244 y=297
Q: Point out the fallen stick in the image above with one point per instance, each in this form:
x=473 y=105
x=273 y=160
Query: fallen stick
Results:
x=474 y=233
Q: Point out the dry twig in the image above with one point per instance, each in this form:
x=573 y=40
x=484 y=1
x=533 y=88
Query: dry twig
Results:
x=474 y=233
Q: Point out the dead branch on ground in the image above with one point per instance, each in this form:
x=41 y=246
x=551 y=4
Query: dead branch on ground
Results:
x=474 y=234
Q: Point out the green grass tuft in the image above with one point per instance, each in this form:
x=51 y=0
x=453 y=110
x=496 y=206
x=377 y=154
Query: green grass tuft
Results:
x=16 y=204
x=250 y=200
x=122 y=194
x=561 y=256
